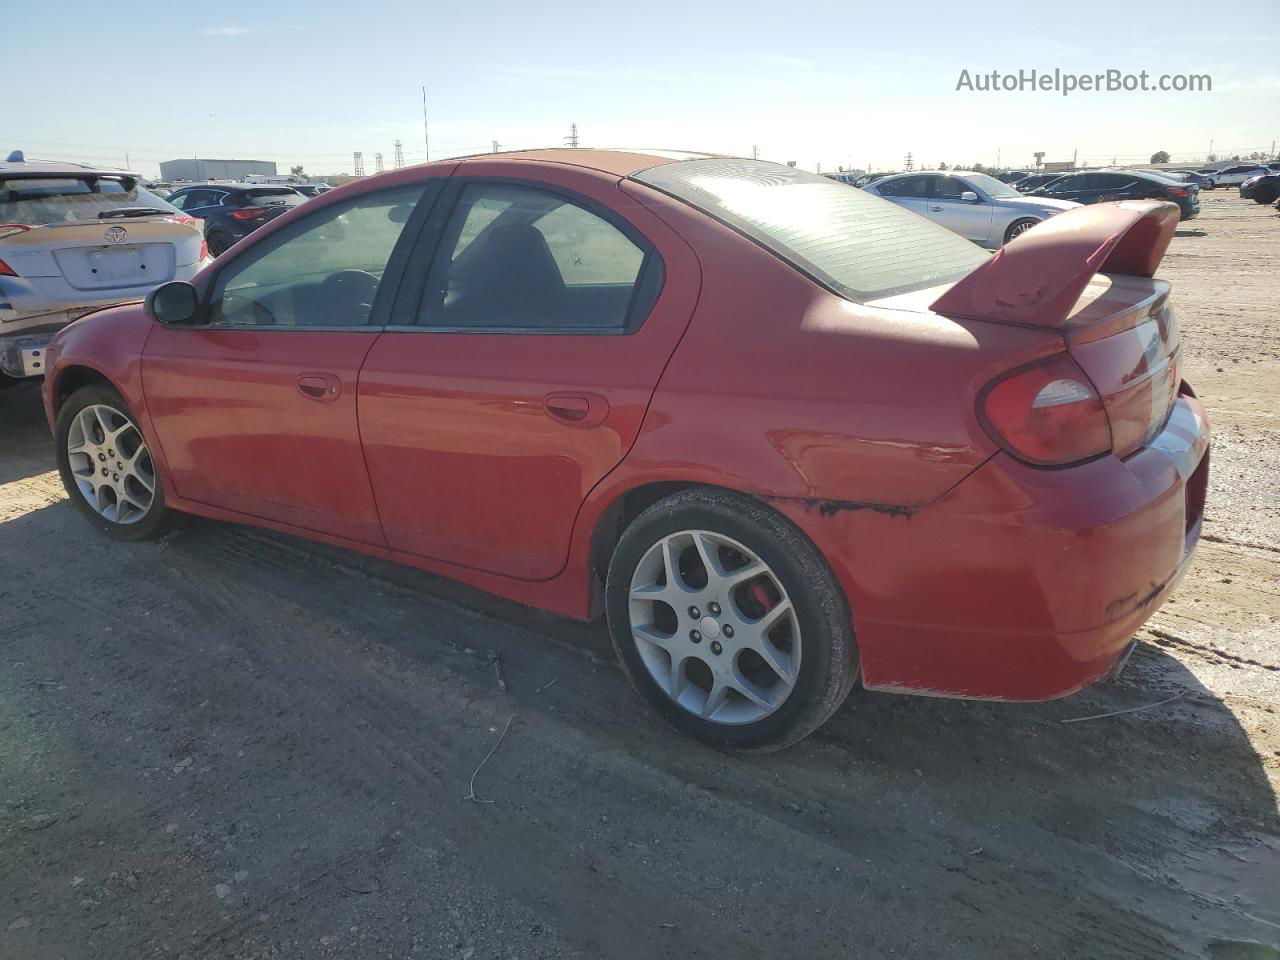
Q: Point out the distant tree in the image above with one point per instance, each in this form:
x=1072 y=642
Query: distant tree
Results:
x=942 y=166
x=1235 y=156
x=1256 y=156
x=1160 y=156
x=296 y=171
x=978 y=168
x=1211 y=158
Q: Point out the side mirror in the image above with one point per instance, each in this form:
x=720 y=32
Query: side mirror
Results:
x=969 y=196
x=175 y=303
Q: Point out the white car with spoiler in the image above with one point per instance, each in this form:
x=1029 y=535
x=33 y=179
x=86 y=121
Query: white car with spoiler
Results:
x=75 y=238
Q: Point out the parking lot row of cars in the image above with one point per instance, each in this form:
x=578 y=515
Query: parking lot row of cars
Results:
x=75 y=237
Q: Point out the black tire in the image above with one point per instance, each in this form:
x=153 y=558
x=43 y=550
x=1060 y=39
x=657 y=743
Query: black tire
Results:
x=1018 y=227
x=1265 y=197
x=218 y=244
x=158 y=519
x=829 y=661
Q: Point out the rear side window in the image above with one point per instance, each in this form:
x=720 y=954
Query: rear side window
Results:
x=38 y=201
x=519 y=258
x=858 y=245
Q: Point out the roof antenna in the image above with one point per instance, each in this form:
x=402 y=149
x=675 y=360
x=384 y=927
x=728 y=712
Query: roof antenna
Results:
x=15 y=157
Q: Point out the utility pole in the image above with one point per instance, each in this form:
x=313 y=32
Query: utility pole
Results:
x=572 y=138
x=399 y=160
x=496 y=146
x=426 y=132
x=357 y=160
x=377 y=163
x=755 y=152
x=997 y=158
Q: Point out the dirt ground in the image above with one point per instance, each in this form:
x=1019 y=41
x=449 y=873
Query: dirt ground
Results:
x=237 y=744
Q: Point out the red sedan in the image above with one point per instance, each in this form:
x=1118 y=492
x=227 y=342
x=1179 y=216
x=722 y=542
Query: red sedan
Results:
x=784 y=433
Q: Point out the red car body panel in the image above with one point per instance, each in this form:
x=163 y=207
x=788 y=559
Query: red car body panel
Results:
x=968 y=572
x=238 y=430
x=492 y=424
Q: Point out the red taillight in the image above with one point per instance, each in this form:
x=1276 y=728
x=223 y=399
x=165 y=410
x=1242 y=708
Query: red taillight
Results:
x=9 y=229
x=1179 y=192
x=204 y=250
x=6 y=270
x=1047 y=414
x=249 y=213
x=183 y=218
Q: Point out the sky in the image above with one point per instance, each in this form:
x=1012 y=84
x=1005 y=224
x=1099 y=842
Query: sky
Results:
x=837 y=84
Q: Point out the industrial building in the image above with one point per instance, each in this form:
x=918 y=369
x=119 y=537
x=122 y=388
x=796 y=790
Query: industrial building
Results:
x=172 y=170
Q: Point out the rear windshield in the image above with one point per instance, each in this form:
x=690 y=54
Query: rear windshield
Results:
x=271 y=194
x=859 y=245
x=38 y=201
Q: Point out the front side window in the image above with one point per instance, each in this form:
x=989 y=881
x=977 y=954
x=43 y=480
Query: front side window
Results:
x=515 y=257
x=323 y=271
x=948 y=188
x=858 y=245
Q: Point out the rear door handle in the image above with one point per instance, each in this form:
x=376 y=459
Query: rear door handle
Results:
x=576 y=409
x=936 y=209
x=323 y=387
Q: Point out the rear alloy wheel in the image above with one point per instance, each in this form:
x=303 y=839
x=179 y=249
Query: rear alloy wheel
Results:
x=728 y=620
x=106 y=465
x=1018 y=228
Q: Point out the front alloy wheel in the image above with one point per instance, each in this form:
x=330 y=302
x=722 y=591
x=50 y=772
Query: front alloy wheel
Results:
x=111 y=464
x=107 y=467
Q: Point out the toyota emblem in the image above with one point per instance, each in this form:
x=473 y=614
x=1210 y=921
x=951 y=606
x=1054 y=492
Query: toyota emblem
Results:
x=117 y=235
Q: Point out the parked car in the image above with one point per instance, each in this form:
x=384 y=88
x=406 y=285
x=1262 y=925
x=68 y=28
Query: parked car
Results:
x=978 y=207
x=1202 y=180
x=1262 y=189
x=74 y=238
x=232 y=211
x=312 y=189
x=1011 y=176
x=1235 y=175
x=1102 y=185
x=786 y=435
x=1035 y=182
x=866 y=178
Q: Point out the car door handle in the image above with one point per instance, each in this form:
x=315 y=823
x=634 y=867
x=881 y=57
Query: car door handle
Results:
x=576 y=409
x=324 y=387
x=936 y=209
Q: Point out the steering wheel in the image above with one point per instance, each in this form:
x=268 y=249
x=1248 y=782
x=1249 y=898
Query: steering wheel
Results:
x=349 y=296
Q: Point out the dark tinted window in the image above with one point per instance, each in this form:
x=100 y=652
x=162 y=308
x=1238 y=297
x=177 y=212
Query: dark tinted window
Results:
x=265 y=195
x=515 y=257
x=917 y=187
x=1114 y=181
x=948 y=188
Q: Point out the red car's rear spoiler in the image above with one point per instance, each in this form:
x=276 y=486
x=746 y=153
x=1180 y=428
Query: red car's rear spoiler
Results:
x=1036 y=279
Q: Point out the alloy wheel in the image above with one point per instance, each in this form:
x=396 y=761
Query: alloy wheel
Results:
x=1020 y=228
x=714 y=626
x=111 y=464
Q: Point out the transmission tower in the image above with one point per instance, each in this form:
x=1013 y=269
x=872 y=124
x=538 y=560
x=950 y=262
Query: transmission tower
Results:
x=496 y=146
x=358 y=159
x=377 y=163
x=755 y=152
x=572 y=138
x=399 y=160
x=908 y=163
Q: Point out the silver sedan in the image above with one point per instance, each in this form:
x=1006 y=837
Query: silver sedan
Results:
x=978 y=207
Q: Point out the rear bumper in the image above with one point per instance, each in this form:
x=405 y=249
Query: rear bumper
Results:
x=33 y=309
x=1021 y=583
